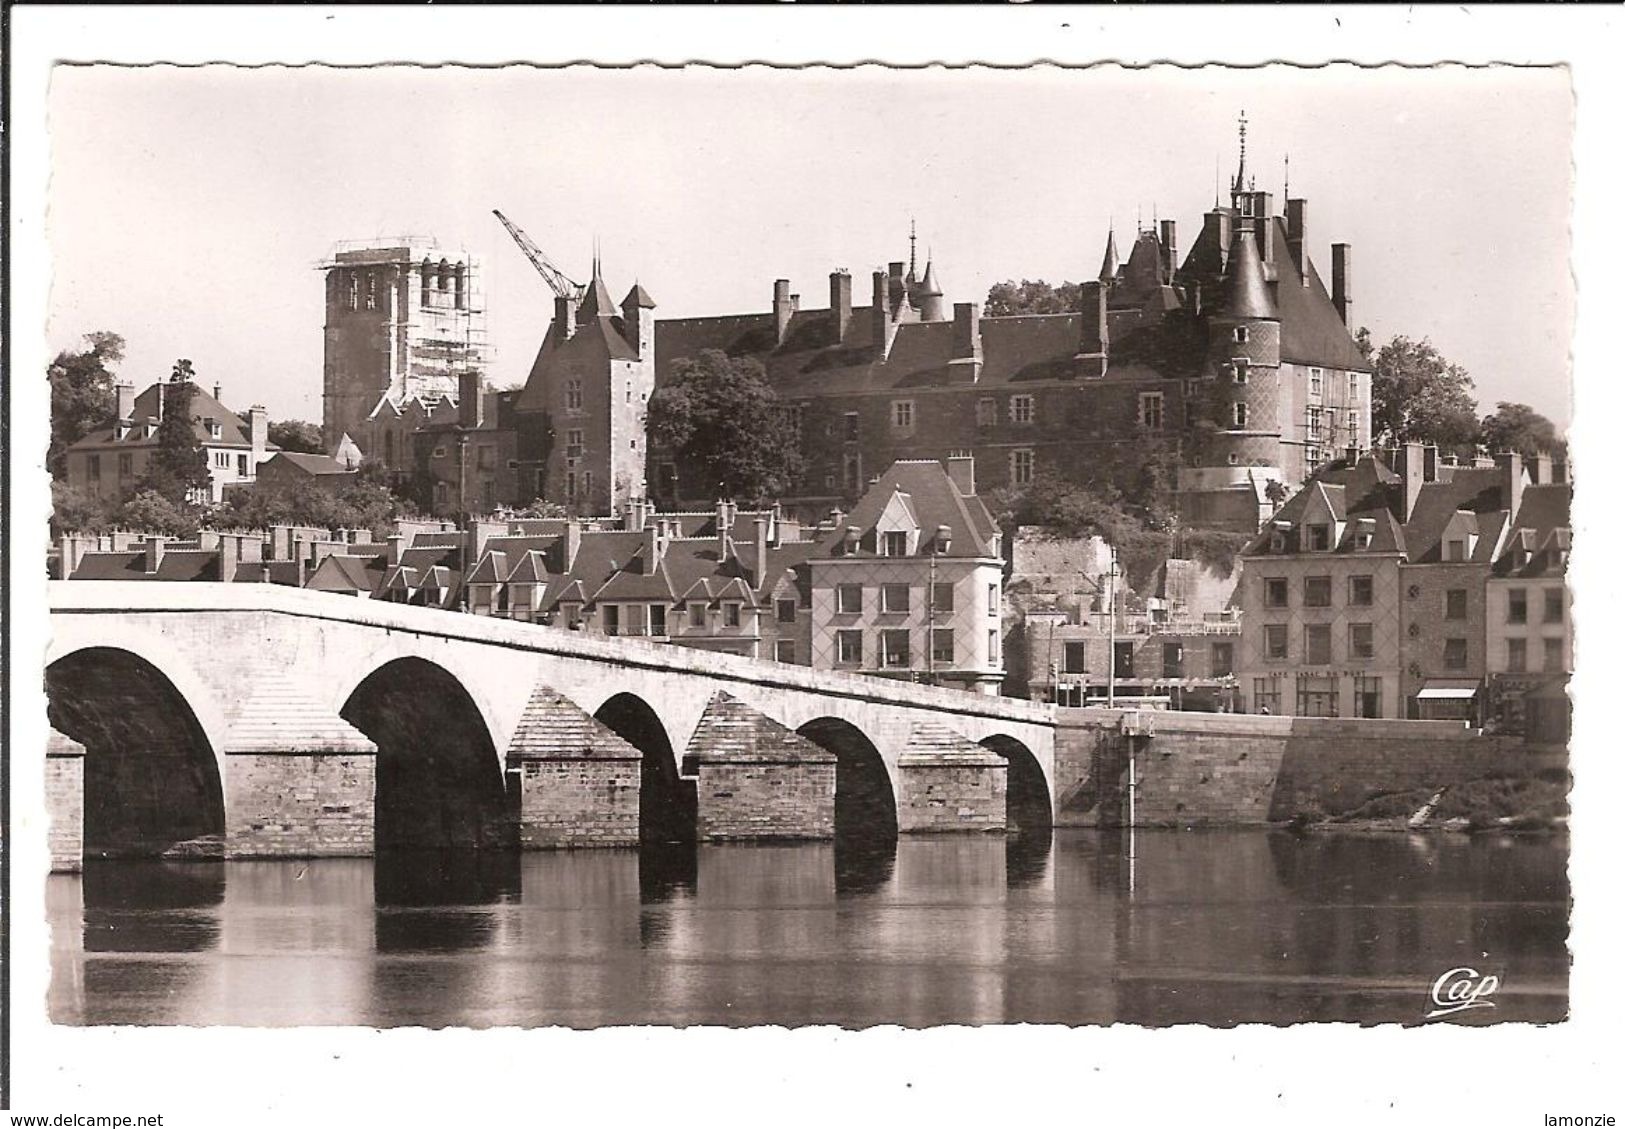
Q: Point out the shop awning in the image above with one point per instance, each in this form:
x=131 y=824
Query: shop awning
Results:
x=1448 y=688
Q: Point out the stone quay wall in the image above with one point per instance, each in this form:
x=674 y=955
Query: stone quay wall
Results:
x=1195 y=768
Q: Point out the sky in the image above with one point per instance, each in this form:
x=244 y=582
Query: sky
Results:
x=189 y=207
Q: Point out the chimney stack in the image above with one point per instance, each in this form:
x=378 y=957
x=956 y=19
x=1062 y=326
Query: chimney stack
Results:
x=880 y=315
x=1342 y=284
x=217 y=391
x=572 y=543
x=259 y=435
x=1408 y=463
x=155 y=553
x=962 y=472
x=965 y=365
x=1430 y=463
x=840 y=304
x=397 y=542
x=1510 y=464
x=783 y=307
x=1170 y=251
x=1297 y=218
x=124 y=393
x=470 y=400
x=565 y=311
x=1541 y=471
x=1095 y=337
x=760 y=564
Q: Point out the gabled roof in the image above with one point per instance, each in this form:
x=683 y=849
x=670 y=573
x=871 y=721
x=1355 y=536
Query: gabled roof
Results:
x=1541 y=528
x=935 y=501
x=234 y=431
x=638 y=297
x=339 y=572
x=312 y=465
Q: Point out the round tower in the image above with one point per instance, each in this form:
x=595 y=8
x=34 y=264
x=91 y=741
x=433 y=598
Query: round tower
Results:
x=1244 y=360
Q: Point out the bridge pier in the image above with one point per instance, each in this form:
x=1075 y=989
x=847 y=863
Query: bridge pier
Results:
x=299 y=781
x=948 y=783
x=65 y=801
x=759 y=779
x=572 y=782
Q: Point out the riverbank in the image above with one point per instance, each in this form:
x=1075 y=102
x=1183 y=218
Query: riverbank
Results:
x=1501 y=802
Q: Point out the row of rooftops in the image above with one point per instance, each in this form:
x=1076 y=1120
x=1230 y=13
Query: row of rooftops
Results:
x=642 y=555
x=136 y=418
x=1500 y=513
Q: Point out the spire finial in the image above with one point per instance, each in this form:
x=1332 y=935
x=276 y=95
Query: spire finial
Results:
x=911 y=240
x=1241 y=166
x=1286 y=178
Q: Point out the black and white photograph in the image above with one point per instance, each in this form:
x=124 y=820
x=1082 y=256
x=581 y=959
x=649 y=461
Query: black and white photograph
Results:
x=863 y=553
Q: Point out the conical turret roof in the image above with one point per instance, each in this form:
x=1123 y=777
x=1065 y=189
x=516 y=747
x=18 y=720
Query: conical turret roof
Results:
x=1108 y=264
x=596 y=302
x=638 y=297
x=928 y=284
x=1246 y=294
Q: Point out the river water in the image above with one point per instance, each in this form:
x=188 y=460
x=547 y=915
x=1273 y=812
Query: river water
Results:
x=1219 y=927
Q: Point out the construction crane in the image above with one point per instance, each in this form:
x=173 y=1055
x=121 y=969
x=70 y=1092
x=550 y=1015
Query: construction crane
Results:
x=555 y=278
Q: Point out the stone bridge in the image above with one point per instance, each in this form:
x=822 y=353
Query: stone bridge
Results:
x=253 y=720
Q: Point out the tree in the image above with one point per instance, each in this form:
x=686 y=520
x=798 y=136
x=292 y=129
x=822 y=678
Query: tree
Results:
x=1417 y=396
x=82 y=395
x=359 y=504
x=74 y=510
x=152 y=512
x=1032 y=296
x=720 y=417
x=296 y=435
x=179 y=467
x=1518 y=427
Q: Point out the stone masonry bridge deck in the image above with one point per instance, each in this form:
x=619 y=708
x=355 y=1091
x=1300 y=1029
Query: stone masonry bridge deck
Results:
x=256 y=720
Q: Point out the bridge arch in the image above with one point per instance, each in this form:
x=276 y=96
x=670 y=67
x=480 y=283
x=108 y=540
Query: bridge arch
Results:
x=439 y=780
x=112 y=634
x=865 y=800
x=667 y=802
x=1028 y=807
x=472 y=682
x=151 y=774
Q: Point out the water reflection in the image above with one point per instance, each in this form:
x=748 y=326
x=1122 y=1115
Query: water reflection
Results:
x=1222 y=927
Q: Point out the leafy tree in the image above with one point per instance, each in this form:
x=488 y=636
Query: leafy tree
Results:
x=1518 y=427
x=152 y=512
x=1032 y=296
x=82 y=395
x=75 y=510
x=1275 y=491
x=1418 y=396
x=179 y=467
x=361 y=503
x=296 y=435
x=721 y=418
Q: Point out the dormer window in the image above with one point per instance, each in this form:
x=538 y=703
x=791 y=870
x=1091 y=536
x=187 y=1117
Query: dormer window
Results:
x=1319 y=537
x=894 y=543
x=1277 y=541
x=1455 y=551
x=214 y=428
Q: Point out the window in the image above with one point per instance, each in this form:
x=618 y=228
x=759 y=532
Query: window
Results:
x=1151 y=411
x=1173 y=660
x=786 y=611
x=851 y=427
x=1224 y=660
x=1238 y=415
x=657 y=619
x=696 y=613
x=902 y=415
x=785 y=650
x=1353 y=420
x=570 y=485
x=214 y=428
x=1517 y=605
x=1315 y=382
x=1275 y=642
x=942 y=645
x=1275 y=592
x=126 y=465
x=586 y=487
x=1361 y=645
x=1311 y=456
x=1021 y=409
x=942 y=597
x=1317 y=591
x=1367 y=696
x=1319 y=537
x=1021 y=467
x=1075 y=657
x=992 y=599
x=849 y=647
x=612 y=619
x=730 y=615
x=1123 y=659
x=633 y=443
x=1240 y=335
x=1553 y=653
x=894 y=597
x=1455 y=550
x=1360 y=591
x=987 y=413
x=485 y=456
x=1239 y=370
x=635 y=620
x=1354 y=388
x=1455 y=654
x=993 y=648
x=628 y=391
x=222 y=458
x=573 y=443
x=242 y=466
x=372 y=292
x=1267 y=695
x=1317 y=643
x=572 y=395
x=1455 y=603
x=1317 y=696
x=1553 y=612
x=93 y=467
x=849 y=599
x=355 y=290
x=894 y=647
x=1517 y=655
x=894 y=543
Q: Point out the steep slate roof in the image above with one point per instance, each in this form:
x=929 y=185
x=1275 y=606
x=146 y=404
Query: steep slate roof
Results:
x=233 y=428
x=1541 y=527
x=936 y=500
x=339 y=572
x=177 y=564
x=314 y=465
